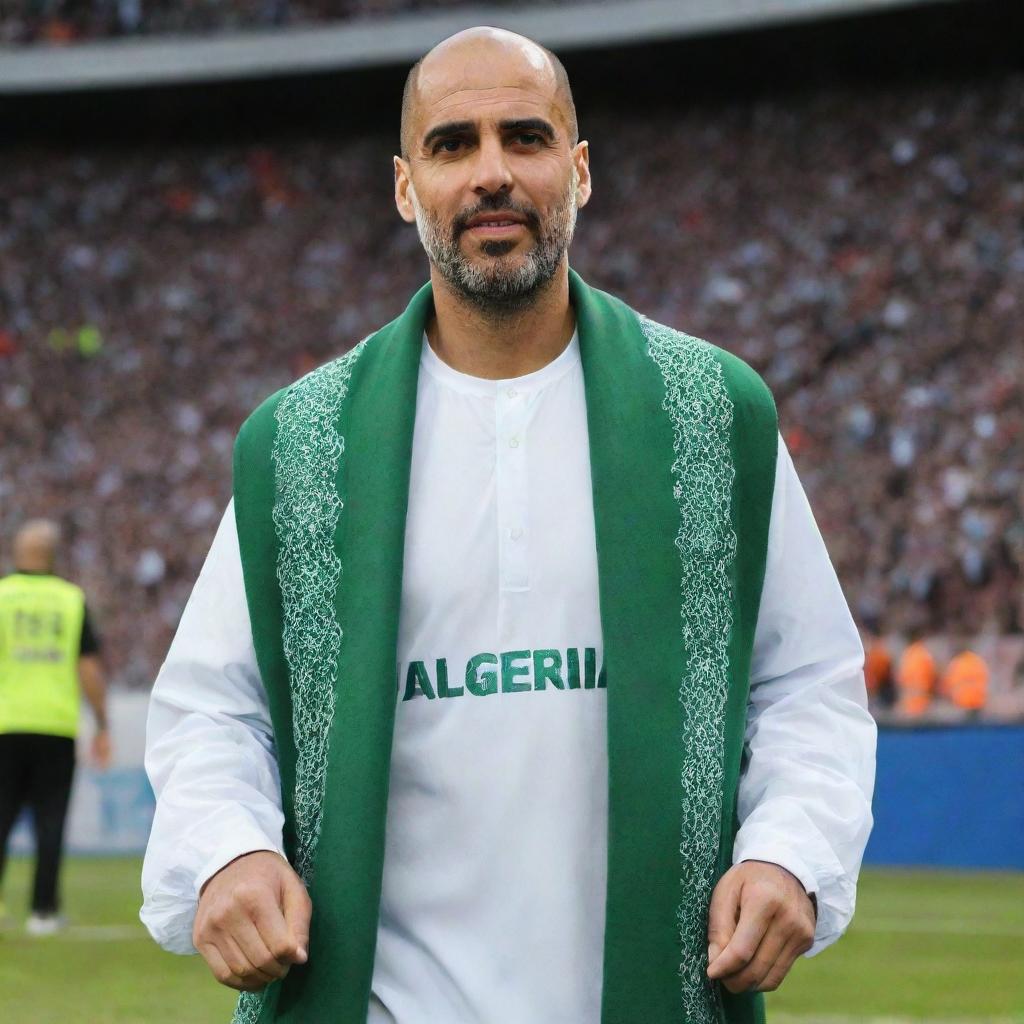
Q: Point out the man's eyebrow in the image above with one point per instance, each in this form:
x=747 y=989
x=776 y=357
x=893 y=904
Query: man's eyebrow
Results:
x=448 y=128
x=529 y=124
x=521 y=124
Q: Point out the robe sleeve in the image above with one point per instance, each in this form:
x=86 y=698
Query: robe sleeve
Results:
x=805 y=789
x=210 y=752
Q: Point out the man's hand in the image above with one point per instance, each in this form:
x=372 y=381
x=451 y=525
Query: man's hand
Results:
x=253 y=921
x=99 y=751
x=761 y=920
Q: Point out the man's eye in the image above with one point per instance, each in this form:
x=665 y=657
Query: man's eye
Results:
x=443 y=146
x=529 y=138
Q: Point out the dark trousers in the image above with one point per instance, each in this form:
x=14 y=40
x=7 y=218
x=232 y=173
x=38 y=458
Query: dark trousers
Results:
x=36 y=771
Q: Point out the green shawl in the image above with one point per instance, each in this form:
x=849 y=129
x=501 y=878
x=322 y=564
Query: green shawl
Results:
x=683 y=440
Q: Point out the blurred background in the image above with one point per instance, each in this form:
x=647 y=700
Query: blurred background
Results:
x=196 y=207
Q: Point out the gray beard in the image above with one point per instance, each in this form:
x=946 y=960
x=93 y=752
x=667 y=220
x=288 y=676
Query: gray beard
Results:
x=499 y=288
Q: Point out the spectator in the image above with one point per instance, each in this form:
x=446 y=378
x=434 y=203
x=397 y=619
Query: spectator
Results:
x=965 y=681
x=878 y=675
x=916 y=676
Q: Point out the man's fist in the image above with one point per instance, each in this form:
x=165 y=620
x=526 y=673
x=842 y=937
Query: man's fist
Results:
x=761 y=920
x=253 y=921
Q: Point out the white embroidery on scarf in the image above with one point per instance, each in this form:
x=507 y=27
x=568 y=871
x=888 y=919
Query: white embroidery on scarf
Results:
x=307 y=452
x=701 y=411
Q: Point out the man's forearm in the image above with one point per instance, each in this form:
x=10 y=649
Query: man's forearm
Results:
x=210 y=753
x=204 y=818
x=94 y=687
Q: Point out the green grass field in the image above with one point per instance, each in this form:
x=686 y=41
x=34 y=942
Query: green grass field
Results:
x=925 y=946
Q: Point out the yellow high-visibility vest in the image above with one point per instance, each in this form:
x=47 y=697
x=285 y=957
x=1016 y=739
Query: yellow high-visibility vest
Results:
x=40 y=639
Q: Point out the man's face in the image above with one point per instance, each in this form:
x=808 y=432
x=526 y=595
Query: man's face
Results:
x=491 y=180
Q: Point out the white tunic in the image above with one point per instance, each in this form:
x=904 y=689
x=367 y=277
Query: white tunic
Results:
x=492 y=907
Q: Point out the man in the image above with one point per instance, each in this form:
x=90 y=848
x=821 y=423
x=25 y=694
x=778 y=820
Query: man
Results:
x=48 y=649
x=878 y=676
x=966 y=680
x=560 y=517
x=917 y=674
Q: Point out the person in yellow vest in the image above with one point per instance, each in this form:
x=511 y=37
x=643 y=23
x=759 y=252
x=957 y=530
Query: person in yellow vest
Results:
x=49 y=653
x=965 y=681
x=916 y=676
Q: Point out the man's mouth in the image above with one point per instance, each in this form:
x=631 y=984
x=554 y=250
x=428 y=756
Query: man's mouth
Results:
x=502 y=223
x=499 y=227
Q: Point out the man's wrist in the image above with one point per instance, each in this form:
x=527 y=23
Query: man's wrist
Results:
x=811 y=895
x=237 y=857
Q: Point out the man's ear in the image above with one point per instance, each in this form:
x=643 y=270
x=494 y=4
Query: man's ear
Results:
x=403 y=188
x=581 y=162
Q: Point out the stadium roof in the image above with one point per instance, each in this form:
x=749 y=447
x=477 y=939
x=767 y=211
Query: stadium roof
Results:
x=170 y=60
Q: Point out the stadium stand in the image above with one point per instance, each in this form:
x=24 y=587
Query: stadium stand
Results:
x=862 y=248
x=218 y=40
x=62 y=22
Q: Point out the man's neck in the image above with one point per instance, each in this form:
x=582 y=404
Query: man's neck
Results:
x=500 y=347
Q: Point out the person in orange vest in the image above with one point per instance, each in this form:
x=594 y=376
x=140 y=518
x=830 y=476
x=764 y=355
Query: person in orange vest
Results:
x=916 y=675
x=877 y=667
x=965 y=681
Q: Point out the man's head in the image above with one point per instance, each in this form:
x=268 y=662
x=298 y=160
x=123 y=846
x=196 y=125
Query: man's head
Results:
x=492 y=171
x=35 y=546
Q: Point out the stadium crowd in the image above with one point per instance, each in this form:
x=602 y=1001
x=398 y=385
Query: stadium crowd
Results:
x=864 y=252
x=61 y=22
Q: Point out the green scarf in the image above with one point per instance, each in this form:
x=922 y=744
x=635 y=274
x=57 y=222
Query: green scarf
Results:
x=683 y=439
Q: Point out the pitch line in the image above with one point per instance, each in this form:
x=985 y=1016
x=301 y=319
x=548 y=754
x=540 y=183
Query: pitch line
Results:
x=817 y=1018
x=84 y=933
x=944 y=927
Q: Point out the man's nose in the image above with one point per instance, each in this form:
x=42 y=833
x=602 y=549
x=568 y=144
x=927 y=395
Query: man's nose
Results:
x=491 y=173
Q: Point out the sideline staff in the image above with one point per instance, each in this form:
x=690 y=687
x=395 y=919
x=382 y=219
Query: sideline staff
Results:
x=47 y=648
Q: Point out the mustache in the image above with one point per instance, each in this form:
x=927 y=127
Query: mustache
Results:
x=491 y=204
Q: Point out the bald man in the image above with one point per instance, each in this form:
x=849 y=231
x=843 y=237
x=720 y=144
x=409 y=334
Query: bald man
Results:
x=518 y=686
x=48 y=652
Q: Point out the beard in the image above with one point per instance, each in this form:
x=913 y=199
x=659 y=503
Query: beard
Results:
x=500 y=284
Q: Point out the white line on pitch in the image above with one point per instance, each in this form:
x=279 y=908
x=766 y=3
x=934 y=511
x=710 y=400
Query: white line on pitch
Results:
x=946 y=926
x=817 y=1018
x=90 y=933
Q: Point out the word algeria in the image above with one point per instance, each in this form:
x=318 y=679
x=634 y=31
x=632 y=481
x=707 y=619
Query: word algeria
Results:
x=509 y=672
